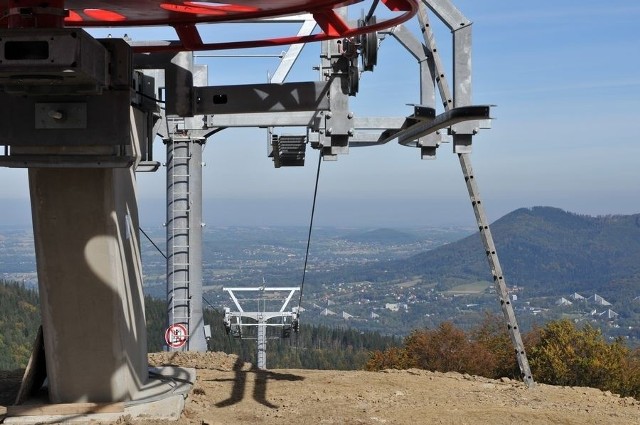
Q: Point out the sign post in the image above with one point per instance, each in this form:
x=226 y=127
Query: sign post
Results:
x=176 y=335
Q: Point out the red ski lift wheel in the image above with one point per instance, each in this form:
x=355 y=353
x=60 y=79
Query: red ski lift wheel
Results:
x=183 y=16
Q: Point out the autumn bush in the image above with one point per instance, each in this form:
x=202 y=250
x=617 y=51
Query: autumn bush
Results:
x=567 y=355
x=559 y=354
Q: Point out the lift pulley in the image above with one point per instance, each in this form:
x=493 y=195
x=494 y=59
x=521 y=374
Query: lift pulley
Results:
x=369 y=45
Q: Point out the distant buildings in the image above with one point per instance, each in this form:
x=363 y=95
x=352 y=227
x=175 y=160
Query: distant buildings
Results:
x=392 y=306
x=596 y=299
x=609 y=314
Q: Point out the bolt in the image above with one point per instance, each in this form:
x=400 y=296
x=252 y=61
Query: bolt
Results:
x=56 y=115
x=350 y=115
x=329 y=130
x=329 y=115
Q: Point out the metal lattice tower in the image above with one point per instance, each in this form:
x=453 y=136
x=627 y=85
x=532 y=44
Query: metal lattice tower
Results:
x=184 y=239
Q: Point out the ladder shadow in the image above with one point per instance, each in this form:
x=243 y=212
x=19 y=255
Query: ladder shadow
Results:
x=260 y=387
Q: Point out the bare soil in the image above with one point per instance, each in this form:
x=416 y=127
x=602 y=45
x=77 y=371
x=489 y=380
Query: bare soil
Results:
x=229 y=391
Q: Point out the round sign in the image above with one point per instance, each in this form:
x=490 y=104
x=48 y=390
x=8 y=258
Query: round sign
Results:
x=176 y=335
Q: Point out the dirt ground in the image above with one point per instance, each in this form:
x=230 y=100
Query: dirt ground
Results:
x=228 y=391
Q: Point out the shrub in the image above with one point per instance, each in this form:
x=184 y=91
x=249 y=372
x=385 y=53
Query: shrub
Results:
x=566 y=355
x=392 y=358
x=494 y=339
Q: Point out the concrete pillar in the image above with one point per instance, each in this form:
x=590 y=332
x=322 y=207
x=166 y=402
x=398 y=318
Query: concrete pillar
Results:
x=85 y=225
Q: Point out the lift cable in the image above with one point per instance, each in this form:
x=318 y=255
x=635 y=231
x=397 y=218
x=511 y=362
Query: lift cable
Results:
x=208 y=303
x=313 y=210
x=372 y=10
x=152 y=243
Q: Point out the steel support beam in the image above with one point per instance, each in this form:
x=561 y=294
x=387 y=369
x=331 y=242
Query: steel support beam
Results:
x=184 y=139
x=499 y=281
x=446 y=119
x=255 y=98
x=462 y=138
x=262 y=345
x=184 y=239
x=293 y=52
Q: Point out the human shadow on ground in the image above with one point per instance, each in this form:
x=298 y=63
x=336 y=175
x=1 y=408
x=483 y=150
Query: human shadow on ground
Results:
x=260 y=387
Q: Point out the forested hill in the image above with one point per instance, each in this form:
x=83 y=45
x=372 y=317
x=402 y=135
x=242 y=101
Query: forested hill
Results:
x=547 y=250
x=19 y=321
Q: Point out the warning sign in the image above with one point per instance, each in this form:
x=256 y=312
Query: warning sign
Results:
x=176 y=335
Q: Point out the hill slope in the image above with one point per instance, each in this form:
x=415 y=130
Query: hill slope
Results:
x=548 y=250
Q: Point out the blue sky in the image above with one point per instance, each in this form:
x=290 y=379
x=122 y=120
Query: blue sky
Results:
x=565 y=77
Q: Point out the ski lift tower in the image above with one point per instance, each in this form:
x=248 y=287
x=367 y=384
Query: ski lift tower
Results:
x=79 y=113
x=261 y=318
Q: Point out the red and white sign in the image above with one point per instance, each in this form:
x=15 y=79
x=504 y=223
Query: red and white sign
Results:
x=176 y=335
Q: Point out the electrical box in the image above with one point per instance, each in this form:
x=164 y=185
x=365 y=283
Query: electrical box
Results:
x=52 y=61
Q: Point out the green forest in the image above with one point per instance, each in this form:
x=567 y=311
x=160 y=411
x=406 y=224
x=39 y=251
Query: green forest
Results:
x=314 y=347
x=19 y=321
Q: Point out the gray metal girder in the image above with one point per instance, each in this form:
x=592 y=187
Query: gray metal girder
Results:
x=255 y=98
x=310 y=119
x=446 y=119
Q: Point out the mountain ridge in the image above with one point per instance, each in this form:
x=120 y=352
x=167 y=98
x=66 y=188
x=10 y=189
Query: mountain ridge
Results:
x=547 y=249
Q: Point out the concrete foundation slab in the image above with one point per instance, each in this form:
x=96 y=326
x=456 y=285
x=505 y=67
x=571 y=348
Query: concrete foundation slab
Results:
x=162 y=399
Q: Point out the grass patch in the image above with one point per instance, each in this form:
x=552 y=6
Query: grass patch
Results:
x=469 y=288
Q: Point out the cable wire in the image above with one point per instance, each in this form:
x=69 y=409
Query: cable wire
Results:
x=152 y=242
x=210 y=305
x=372 y=10
x=313 y=210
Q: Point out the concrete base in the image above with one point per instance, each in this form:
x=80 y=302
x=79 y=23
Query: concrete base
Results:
x=162 y=399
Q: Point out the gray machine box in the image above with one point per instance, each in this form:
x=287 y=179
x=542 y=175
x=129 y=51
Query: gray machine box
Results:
x=48 y=61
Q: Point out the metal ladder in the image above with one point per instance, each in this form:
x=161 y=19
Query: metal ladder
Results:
x=180 y=306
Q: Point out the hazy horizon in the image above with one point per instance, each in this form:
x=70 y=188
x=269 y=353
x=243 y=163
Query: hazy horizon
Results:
x=398 y=214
